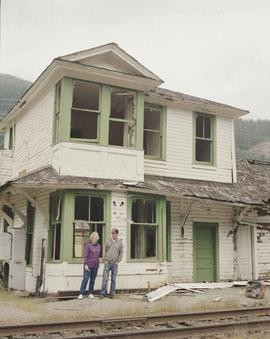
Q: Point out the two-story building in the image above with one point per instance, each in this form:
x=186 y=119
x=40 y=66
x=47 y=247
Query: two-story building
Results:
x=95 y=143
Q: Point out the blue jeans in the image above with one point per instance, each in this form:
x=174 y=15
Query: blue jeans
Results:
x=91 y=274
x=113 y=268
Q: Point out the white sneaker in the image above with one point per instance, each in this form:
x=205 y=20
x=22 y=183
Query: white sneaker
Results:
x=80 y=296
x=91 y=296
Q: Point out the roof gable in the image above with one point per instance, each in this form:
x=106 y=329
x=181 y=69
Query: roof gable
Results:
x=112 y=57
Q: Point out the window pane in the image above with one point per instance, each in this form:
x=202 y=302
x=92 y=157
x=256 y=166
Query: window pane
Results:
x=150 y=211
x=151 y=143
x=143 y=211
x=80 y=239
x=199 y=126
x=152 y=117
x=118 y=133
x=97 y=209
x=135 y=242
x=83 y=124
x=207 y=127
x=85 y=95
x=122 y=104
x=203 y=150
x=30 y=217
x=81 y=208
x=150 y=242
x=138 y=210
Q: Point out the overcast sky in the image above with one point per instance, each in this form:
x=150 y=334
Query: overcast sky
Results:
x=219 y=50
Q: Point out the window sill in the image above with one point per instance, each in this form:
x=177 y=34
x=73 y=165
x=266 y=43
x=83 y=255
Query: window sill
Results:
x=204 y=166
x=156 y=261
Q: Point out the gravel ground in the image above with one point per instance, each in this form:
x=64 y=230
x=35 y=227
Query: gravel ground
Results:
x=17 y=309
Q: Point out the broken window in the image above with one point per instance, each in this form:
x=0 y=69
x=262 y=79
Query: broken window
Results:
x=57 y=111
x=55 y=226
x=122 y=122
x=89 y=217
x=85 y=111
x=152 y=137
x=204 y=138
x=30 y=215
x=143 y=242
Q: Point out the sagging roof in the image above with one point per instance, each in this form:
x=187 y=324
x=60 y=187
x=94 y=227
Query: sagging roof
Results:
x=253 y=187
x=194 y=103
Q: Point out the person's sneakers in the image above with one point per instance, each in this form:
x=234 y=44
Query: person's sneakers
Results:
x=80 y=296
x=101 y=296
x=91 y=296
x=111 y=296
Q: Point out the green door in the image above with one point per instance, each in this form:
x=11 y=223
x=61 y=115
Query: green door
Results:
x=205 y=251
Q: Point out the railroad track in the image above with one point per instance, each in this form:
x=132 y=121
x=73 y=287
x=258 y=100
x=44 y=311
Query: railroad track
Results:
x=169 y=325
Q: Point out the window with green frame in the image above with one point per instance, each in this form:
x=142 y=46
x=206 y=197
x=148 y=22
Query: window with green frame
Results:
x=154 y=133
x=89 y=216
x=55 y=216
x=91 y=112
x=147 y=230
x=204 y=138
x=30 y=216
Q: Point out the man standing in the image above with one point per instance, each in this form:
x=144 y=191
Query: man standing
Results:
x=113 y=255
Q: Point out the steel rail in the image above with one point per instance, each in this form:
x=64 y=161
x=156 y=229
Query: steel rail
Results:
x=111 y=323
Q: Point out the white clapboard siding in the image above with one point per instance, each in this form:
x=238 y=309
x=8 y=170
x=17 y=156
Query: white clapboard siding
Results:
x=33 y=136
x=263 y=254
x=181 y=266
x=179 y=151
x=5 y=165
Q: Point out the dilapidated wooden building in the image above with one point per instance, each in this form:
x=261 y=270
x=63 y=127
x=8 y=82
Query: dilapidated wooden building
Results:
x=94 y=144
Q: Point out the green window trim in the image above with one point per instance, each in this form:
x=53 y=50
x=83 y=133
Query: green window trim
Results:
x=160 y=224
x=163 y=136
x=66 y=99
x=213 y=161
x=68 y=209
x=216 y=268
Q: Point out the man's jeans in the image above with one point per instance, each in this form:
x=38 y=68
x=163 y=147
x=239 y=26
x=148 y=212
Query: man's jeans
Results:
x=92 y=274
x=107 y=268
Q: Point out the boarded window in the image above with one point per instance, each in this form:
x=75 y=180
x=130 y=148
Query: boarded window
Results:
x=204 y=138
x=89 y=217
x=152 y=138
x=85 y=111
x=55 y=226
x=143 y=242
x=30 y=214
x=11 y=137
x=122 y=124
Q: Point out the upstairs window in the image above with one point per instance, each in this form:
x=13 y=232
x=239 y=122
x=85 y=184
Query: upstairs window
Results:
x=204 y=140
x=11 y=137
x=57 y=111
x=89 y=217
x=153 y=135
x=122 y=121
x=85 y=111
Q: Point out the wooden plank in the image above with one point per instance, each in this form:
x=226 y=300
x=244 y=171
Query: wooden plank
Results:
x=160 y=292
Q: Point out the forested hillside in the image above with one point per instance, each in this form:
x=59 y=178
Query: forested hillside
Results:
x=11 y=89
x=252 y=137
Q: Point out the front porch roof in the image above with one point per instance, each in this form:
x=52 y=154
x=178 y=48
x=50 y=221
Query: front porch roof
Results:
x=253 y=187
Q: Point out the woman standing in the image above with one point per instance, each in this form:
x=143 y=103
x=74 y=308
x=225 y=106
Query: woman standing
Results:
x=91 y=264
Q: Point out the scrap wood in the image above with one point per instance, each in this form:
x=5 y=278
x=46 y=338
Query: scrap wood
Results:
x=160 y=292
x=202 y=286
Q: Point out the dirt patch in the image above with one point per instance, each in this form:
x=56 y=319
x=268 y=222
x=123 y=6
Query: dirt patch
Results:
x=15 y=309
